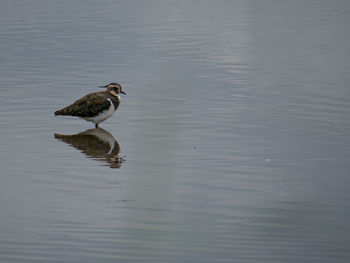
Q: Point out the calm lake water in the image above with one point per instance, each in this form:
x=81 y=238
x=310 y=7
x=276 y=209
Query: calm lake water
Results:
x=231 y=145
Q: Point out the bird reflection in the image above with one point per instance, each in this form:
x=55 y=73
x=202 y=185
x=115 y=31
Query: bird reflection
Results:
x=96 y=143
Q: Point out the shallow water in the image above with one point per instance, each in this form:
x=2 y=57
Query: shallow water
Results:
x=231 y=145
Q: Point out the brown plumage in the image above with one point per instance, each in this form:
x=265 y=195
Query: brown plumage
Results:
x=95 y=107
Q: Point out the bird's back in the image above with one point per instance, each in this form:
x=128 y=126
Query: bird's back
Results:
x=87 y=106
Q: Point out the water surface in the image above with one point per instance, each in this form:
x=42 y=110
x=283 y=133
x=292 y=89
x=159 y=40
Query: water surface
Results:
x=231 y=145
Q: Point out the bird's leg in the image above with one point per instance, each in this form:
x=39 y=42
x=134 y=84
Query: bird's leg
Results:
x=96 y=125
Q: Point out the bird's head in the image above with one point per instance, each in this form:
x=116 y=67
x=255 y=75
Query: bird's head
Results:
x=114 y=88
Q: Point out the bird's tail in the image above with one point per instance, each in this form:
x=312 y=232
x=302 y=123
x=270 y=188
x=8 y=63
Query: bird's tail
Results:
x=61 y=112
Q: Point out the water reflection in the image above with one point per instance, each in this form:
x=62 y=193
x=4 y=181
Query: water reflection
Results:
x=96 y=143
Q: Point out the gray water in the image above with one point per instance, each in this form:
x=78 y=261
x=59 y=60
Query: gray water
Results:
x=231 y=145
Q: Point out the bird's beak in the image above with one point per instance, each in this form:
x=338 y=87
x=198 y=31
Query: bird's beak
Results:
x=123 y=92
x=102 y=87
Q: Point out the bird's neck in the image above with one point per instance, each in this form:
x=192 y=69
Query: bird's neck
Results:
x=115 y=99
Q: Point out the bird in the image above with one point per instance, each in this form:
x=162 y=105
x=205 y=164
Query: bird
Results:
x=97 y=106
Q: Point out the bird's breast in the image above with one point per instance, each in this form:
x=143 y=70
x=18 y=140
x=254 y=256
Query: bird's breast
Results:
x=103 y=115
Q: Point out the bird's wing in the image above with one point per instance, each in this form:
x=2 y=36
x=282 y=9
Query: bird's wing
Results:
x=88 y=106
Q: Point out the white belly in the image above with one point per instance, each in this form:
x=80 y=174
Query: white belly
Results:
x=103 y=115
